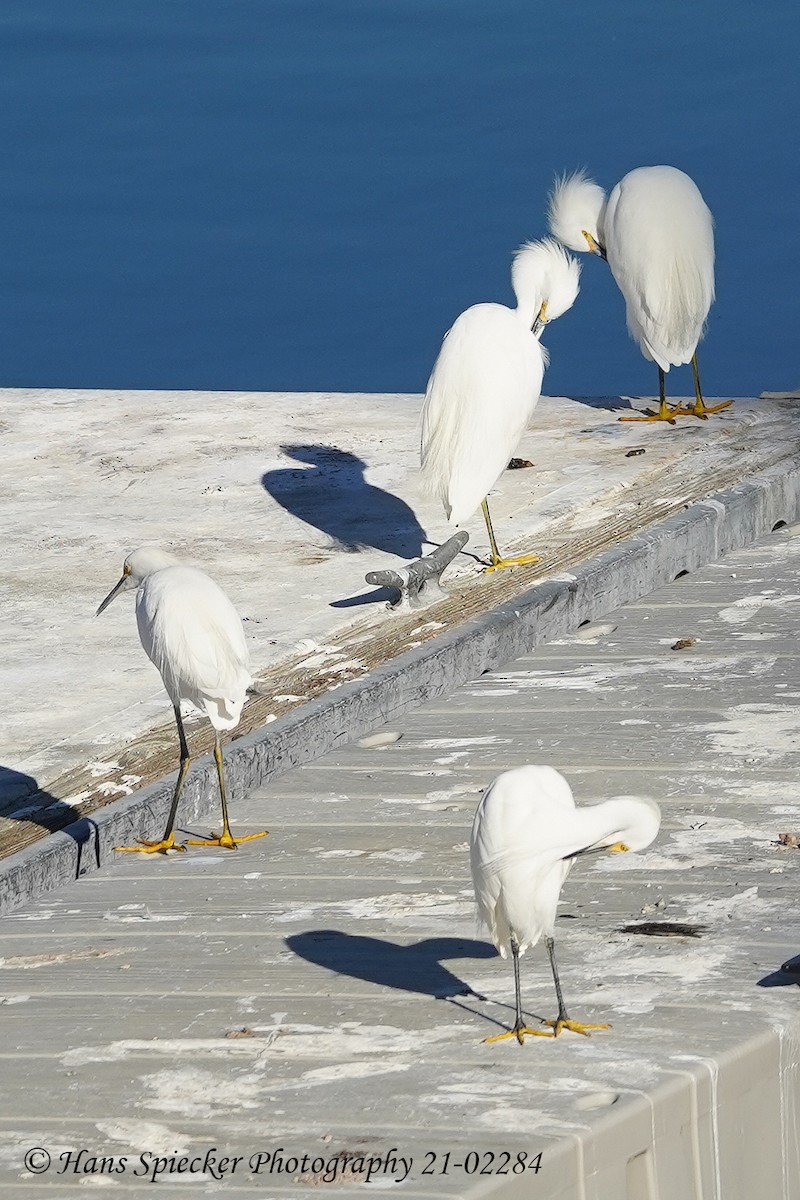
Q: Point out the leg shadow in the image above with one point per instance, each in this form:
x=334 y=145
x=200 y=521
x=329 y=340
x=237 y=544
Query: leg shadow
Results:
x=605 y=403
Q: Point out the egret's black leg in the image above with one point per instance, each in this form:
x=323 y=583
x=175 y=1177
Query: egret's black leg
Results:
x=700 y=409
x=665 y=413
x=168 y=840
x=498 y=560
x=226 y=838
x=562 y=1021
x=520 y=1028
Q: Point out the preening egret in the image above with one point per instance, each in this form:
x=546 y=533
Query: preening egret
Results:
x=525 y=836
x=657 y=235
x=192 y=633
x=485 y=385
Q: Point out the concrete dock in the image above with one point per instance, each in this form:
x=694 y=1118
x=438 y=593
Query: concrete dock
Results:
x=289 y=501
x=324 y=992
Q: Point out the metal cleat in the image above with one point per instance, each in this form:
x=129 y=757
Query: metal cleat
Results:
x=418 y=583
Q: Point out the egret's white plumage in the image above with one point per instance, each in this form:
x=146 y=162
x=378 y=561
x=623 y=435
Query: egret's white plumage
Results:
x=192 y=633
x=481 y=394
x=659 y=241
x=657 y=234
x=194 y=636
x=487 y=379
x=526 y=835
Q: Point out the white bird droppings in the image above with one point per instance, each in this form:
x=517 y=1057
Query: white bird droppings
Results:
x=138 y=1135
x=384 y=737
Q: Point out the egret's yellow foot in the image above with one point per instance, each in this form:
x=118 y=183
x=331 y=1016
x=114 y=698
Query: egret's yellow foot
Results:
x=665 y=413
x=520 y=560
x=519 y=1034
x=701 y=409
x=573 y=1026
x=226 y=840
x=145 y=847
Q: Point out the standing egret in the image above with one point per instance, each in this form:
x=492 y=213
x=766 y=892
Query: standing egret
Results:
x=486 y=383
x=657 y=235
x=192 y=633
x=525 y=836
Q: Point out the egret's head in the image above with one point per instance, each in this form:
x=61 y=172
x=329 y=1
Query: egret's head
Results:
x=546 y=281
x=575 y=209
x=137 y=566
x=619 y=825
x=636 y=821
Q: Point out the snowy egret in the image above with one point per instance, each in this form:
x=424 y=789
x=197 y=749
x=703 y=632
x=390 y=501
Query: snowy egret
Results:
x=525 y=836
x=192 y=633
x=486 y=383
x=657 y=235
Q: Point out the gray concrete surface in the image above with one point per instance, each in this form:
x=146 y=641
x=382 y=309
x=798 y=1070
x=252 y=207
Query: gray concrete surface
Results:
x=287 y=500
x=344 y=950
x=692 y=537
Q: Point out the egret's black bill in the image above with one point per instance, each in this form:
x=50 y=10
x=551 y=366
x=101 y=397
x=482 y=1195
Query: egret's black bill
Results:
x=116 y=588
x=613 y=848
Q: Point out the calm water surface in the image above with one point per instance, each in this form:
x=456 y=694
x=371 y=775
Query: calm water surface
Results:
x=279 y=194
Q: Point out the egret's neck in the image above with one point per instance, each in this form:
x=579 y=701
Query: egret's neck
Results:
x=529 y=304
x=621 y=818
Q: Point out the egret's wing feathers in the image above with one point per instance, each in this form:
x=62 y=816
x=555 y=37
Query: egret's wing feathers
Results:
x=194 y=636
x=660 y=247
x=481 y=394
x=522 y=826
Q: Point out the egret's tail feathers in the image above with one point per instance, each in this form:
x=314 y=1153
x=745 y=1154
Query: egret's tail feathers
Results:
x=435 y=468
x=664 y=264
x=674 y=326
x=222 y=712
x=224 y=709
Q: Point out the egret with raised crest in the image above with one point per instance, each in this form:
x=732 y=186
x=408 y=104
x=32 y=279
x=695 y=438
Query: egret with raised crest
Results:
x=656 y=233
x=486 y=383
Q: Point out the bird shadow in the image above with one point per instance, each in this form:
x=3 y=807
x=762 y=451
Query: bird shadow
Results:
x=21 y=799
x=334 y=497
x=605 y=403
x=415 y=968
x=787 y=975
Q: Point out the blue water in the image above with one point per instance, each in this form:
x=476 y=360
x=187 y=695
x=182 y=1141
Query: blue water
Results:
x=280 y=194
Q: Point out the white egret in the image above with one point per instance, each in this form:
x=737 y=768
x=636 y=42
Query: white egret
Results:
x=485 y=385
x=192 y=633
x=526 y=834
x=657 y=235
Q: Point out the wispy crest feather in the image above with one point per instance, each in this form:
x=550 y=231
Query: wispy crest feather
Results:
x=486 y=381
x=575 y=203
x=544 y=271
